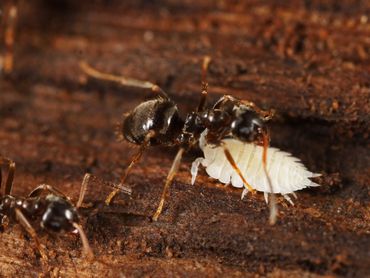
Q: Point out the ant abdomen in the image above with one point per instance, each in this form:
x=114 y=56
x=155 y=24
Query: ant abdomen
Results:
x=156 y=120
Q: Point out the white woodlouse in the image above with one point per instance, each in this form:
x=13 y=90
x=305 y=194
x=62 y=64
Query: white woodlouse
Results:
x=287 y=172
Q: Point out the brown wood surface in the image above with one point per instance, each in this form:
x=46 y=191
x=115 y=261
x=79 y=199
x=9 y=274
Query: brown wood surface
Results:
x=309 y=60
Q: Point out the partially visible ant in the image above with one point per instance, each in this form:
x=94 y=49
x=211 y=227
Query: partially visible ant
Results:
x=8 y=24
x=157 y=122
x=54 y=211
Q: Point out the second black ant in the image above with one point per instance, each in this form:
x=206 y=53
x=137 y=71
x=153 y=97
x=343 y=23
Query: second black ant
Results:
x=54 y=211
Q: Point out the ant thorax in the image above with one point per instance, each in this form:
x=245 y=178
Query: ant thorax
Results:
x=227 y=119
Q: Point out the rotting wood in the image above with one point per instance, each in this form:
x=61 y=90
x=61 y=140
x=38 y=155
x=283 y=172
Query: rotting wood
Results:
x=309 y=61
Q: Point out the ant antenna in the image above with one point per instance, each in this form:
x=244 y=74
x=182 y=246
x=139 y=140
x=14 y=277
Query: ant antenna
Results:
x=85 y=243
x=10 y=175
x=231 y=160
x=125 y=81
x=205 y=64
x=84 y=183
x=10 y=178
x=273 y=207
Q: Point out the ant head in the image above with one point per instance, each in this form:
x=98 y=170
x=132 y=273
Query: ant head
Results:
x=159 y=117
x=59 y=215
x=248 y=126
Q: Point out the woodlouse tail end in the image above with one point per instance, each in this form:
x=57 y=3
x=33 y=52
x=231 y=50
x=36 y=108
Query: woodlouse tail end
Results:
x=313 y=184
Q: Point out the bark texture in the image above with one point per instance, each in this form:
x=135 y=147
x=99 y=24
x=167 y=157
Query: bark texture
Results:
x=308 y=60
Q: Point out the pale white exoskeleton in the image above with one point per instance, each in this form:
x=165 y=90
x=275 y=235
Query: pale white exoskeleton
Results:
x=287 y=173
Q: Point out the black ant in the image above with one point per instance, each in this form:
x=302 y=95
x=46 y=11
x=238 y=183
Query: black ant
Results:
x=157 y=122
x=54 y=210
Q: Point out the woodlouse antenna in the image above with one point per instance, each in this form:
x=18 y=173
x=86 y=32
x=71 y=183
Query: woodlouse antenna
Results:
x=272 y=204
x=125 y=81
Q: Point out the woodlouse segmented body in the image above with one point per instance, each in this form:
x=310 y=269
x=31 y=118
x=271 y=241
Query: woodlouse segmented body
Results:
x=287 y=173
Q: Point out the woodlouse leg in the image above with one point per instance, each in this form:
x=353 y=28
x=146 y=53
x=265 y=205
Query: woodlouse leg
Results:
x=9 y=38
x=194 y=169
x=286 y=197
x=203 y=99
x=236 y=168
x=171 y=174
x=125 y=81
x=134 y=160
x=244 y=193
x=27 y=226
x=85 y=243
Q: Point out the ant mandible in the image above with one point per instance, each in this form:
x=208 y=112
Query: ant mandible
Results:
x=54 y=210
x=157 y=122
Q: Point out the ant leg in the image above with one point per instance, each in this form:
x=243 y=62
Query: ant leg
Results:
x=9 y=34
x=267 y=115
x=171 y=174
x=134 y=160
x=84 y=184
x=125 y=81
x=27 y=226
x=236 y=169
x=85 y=243
x=273 y=206
x=205 y=64
x=10 y=178
x=48 y=188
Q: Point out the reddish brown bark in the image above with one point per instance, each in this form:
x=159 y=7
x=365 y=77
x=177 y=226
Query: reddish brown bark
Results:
x=307 y=60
